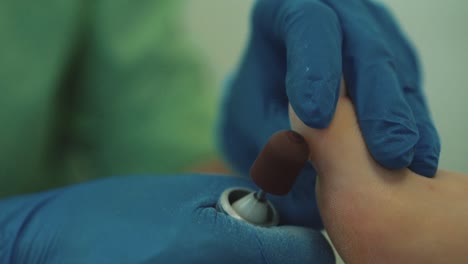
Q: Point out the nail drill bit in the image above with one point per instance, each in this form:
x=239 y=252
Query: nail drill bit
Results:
x=274 y=171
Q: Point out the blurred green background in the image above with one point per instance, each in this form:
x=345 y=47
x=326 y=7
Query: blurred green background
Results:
x=99 y=88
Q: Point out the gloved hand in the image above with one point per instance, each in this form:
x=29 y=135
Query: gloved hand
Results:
x=298 y=52
x=146 y=219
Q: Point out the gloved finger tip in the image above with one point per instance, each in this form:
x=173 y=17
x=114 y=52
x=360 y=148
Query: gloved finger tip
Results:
x=393 y=155
x=392 y=148
x=425 y=169
x=314 y=118
x=314 y=108
x=395 y=162
x=427 y=151
x=426 y=162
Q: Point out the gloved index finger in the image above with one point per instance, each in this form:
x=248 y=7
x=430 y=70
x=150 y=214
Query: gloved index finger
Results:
x=311 y=34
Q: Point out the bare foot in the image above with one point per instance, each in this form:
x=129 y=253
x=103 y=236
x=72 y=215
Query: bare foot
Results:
x=375 y=215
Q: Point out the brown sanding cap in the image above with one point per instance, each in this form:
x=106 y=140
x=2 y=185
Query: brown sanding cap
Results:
x=279 y=163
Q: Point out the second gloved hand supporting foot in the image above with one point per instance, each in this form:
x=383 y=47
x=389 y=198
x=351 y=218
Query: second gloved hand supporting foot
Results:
x=146 y=219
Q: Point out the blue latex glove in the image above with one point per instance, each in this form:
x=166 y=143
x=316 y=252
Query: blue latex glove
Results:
x=146 y=219
x=298 y=52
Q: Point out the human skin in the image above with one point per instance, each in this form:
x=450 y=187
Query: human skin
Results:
x=376 y=215
x=211 y=166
